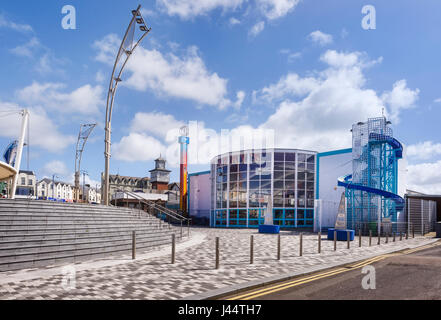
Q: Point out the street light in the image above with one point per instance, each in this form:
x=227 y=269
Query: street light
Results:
x=85 y=131
x=128 y=45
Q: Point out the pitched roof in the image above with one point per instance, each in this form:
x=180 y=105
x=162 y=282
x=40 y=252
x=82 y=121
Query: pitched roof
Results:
x=49 y=181
x=27 y=172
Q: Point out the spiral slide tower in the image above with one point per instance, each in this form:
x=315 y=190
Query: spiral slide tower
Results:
x=371 y=190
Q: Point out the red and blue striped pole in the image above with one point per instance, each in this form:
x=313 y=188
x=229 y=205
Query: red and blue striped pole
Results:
x=184 y=140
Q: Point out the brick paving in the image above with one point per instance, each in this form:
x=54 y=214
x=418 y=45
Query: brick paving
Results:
x=194 y=273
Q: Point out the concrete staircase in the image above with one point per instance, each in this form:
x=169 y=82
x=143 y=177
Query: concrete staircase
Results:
x=39 y=233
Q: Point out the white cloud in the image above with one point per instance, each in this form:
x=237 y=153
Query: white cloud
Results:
x=291 y=55
x=400 y=98
x=320 y=38
x=256 y=29
x=45 y=61
x=344 y=33
x=425 y=177
x=48 y=63
x=341 y=59
x=107 y=48
x=138 y=147
x=27 y=49
x=329 y=104
x=100 y=77
x=240 y=95
x=289 y=85
x=437 y=100
x=188 y=9
x=156 y=123
x=147 y=13
x=424 y=150
x=6 y=23
x=274 y=9
x=205 y=143
x=44 y=132
x=56 y=167
x=85 y=100
x=233 y=21
x=185 y=76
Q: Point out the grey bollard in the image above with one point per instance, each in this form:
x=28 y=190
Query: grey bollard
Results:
x=387 y=237
x=278 y=247
x=217 y=252
x=301 y=245
x=133 y=245
x=319 y=242
x=348 y=239
x=370 y=238
x=401 y=236
x=335 y=240
x=379 y=238
x=173 y=248
x=251 y=249
x=393 y=239
x=359 y=238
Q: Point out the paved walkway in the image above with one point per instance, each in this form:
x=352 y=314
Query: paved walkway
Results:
x=153 y=277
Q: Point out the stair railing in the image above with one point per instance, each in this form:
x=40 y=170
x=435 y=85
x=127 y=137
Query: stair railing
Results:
x=170 y=214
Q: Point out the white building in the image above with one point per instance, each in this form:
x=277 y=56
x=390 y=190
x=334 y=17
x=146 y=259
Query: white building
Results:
x=92 y=195
x=46 y=188
x=26 y=184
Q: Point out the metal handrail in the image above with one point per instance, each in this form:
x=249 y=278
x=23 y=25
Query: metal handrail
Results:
x=151 y=204
x=169 y=213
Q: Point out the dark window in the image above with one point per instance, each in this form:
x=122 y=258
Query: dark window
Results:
x=279 y=166
x=279 y=156
x=278 y=214
x=290 y=157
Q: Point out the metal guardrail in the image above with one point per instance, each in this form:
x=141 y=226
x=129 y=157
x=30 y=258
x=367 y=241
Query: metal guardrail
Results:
x=170 y=214
x=383 y=228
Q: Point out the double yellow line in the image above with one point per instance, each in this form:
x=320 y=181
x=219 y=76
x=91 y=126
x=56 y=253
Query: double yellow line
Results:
x=283 y=286
x=422 y=248
x=307 y=279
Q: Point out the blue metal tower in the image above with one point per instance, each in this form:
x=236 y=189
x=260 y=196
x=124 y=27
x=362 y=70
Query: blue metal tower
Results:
x=371 y=191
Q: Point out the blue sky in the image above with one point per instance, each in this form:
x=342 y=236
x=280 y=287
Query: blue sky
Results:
x=307 y=75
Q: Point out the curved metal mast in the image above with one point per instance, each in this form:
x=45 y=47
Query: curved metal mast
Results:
x=85 y=131
x=128 y=45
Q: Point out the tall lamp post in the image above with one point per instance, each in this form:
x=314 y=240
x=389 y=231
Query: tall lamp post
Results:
x=128 y=45
x=85 y=131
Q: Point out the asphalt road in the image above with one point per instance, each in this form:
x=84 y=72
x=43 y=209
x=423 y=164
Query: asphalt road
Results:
x=415 y=275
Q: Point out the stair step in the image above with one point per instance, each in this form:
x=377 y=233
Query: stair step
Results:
x=22 y=263
x=40 y=233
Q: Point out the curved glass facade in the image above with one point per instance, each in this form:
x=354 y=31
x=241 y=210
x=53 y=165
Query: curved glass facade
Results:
x=244 y=184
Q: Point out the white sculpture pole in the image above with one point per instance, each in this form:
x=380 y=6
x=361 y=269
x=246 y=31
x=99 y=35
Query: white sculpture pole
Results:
x=269 y=212
x=24 y=123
